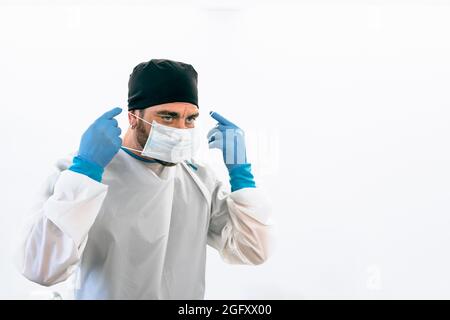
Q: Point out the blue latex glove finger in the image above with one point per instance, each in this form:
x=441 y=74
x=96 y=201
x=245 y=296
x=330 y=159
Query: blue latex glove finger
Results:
x=216 y=144
x=111 y=113
x=215 y=136
x=107 y=122
x=229 y=138
x=221 y=130
x=117 y=142
x=218 y=136
x=101 y=141
x=110 y=123
x=221 y=119
x=232 y=141
x=118 y=131
x=212 y=132
x=106 y=127
x=114 y=123
x=113 y=133
x=234 y=130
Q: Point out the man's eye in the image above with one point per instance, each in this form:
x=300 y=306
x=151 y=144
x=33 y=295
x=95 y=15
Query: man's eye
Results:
x=190 y=120
x=167 y=118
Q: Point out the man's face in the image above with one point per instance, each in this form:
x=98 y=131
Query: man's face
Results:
x=180 y=115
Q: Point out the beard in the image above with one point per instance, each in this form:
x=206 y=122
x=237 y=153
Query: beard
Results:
x=142 y=136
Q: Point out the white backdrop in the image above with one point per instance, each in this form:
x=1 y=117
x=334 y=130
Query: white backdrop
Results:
x=345 y=104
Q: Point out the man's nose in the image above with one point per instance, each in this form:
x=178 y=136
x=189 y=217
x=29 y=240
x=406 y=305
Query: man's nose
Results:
x=181 y=124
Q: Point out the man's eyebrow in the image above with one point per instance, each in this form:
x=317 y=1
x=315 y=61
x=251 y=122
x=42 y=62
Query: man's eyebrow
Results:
x=194 y=115
x=175 y=114
x=168 y=113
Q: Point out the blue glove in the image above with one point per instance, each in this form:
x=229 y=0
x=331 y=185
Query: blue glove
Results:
x=229 y=138
x=99 y=144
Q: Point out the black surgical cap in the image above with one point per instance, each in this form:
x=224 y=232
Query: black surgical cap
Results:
x=161 y=81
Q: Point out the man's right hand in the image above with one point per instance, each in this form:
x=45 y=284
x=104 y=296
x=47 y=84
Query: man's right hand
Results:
x=101 y=141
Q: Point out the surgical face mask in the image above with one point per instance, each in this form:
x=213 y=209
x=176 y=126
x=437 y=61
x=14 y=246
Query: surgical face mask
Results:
x=169 y=144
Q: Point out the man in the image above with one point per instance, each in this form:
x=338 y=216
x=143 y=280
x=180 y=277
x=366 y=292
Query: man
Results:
x=134 y=216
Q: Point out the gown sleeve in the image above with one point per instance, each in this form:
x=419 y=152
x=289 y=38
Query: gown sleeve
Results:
x=240 y=225
x=57 y=226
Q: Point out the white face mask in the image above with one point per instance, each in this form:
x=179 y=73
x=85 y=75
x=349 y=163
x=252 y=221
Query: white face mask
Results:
x=169 y=144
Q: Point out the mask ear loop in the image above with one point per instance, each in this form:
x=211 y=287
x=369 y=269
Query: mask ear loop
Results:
x=139 y=119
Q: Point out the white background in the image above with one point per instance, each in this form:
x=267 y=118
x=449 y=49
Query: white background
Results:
x=346 y=106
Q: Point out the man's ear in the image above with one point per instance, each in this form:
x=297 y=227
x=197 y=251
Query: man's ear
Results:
x=132 y=120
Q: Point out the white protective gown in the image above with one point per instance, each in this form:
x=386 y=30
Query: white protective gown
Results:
x=142 y=232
